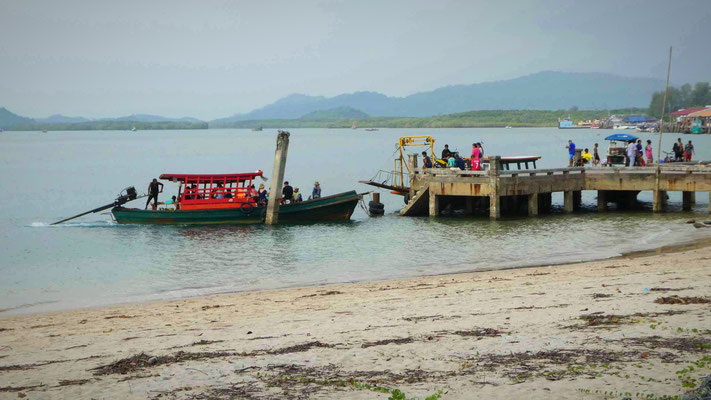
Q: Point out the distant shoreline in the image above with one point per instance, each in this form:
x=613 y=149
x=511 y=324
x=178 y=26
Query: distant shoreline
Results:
x=470 y=119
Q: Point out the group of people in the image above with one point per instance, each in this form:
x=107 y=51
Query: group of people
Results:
x=683 y=152
x=260 y=196
x=454 y=160
x=636 y=154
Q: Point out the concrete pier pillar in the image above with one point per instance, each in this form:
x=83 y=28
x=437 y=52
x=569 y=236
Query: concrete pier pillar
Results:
x=577 y=199
x=692 y=198
x=533 y=204
x=494 y=198
x=686 y=200
x=469 y=205
x=434 y=204
x=568 y=201
x=494 y=206
x=282 y=148
x=601 y=200
x=659 y=203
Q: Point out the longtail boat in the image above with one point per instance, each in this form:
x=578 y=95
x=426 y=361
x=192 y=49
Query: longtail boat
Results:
x=229 y=199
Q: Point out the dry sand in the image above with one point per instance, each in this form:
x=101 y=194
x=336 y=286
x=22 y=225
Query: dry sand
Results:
x=570 y=331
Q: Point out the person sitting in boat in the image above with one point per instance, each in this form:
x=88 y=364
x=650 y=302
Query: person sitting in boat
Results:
x=297 y=196
x=217 y=192
x=153 y=191
x=427 y=161
x=172 y=202
x=452 y=161
x=287 y=193
x=262 y=193
x=253 y=193
x=316 y=193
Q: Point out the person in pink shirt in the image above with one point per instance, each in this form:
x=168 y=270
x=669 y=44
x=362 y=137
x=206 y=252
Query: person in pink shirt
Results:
x=648 y=151
x=476 y=157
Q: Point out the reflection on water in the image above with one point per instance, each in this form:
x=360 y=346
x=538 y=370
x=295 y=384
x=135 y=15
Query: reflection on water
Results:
x=93 y=261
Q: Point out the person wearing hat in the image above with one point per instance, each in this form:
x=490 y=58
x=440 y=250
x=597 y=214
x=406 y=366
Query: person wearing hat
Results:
x=316 y=193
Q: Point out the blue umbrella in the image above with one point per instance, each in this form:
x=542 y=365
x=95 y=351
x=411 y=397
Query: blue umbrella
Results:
x=622 y=137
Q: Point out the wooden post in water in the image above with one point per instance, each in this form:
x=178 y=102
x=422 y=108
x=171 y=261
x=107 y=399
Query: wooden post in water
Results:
x=411 y=165
x=494 y=198
x=568 y=201
x=282 y=147
x=660 y=198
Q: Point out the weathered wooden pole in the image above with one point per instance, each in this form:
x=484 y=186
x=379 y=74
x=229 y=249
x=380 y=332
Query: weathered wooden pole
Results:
x=659 y=203
x=282 y=147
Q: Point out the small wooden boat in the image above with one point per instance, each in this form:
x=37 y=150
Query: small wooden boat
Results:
x=229 y=199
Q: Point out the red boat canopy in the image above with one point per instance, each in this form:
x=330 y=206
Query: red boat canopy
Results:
x=227 y=178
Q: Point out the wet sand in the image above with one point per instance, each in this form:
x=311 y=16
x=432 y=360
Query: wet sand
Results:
x=567 y=331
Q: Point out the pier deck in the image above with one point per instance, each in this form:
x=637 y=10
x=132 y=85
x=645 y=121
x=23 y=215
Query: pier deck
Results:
x=507 y=191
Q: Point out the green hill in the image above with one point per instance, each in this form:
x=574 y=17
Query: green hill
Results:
x=9 y=119
x=336 y=113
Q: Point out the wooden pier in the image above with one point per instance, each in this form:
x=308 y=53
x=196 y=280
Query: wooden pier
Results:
x=502 y=191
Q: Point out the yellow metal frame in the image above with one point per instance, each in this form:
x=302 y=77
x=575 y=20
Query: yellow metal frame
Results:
x=400 y=164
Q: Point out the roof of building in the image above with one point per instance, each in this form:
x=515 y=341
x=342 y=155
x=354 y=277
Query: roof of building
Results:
x=687 y=111
x=706 y=112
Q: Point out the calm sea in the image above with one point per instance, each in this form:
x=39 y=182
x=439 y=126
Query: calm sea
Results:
x=92 y=261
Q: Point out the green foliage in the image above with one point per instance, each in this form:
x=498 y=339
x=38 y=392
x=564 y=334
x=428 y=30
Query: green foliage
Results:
x=110 y=126
x=470 y=119
x=683 y=97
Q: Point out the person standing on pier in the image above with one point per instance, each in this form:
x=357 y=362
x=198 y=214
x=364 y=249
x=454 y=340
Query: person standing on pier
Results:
x=631 y=154
x=688 y=151
x=596 y=156
x=476 y=157
x=571 y=153
x=648 y=150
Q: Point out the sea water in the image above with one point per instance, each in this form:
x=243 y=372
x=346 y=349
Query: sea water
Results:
x=92 y=261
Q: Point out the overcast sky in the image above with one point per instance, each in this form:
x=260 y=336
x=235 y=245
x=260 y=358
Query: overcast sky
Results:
x=211 y=59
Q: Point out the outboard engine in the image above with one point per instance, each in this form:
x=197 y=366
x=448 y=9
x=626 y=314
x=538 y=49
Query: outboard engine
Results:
x=125 y=196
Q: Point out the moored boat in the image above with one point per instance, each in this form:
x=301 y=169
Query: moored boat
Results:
x=229 y=199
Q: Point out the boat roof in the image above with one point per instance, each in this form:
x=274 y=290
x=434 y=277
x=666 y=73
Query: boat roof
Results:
x=622 y=137
x=216 y=177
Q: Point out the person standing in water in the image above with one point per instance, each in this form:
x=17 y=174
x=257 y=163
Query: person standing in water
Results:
x=153 y=191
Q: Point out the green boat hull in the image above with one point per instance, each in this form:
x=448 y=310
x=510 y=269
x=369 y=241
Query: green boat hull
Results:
x=338 y=207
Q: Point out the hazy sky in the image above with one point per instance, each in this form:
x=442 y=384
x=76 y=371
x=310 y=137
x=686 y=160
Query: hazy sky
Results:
x=211 y=59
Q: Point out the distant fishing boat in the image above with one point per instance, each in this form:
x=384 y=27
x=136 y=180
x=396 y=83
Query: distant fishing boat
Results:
x=354 y=126
x=622 y=127
x=133 y=129
x=44 y=131
x=567 y=123
x=371 y=129
x=257 y=129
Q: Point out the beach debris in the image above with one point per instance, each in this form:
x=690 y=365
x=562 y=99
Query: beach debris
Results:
x=691 y=221
x=686 y=344
x=5 y=329
x=666 y=289
x=486 y=332
x=20 y=388
x=122 y=316
x=205 y=308
x=299 y=348
x=701 y=225
x=143 y=360
x=24 y=367
x=387 y=341
x=72 y=382
x=600 y=295
x=702 y=392
x=682 y=300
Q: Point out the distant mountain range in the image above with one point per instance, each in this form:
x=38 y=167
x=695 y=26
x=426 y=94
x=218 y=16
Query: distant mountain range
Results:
x=9 y=119
x=540 y=91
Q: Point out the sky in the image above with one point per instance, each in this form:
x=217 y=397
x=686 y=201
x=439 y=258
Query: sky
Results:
x=212 y=59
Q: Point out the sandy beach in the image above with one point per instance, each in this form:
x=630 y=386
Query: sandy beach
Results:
x=629 y=325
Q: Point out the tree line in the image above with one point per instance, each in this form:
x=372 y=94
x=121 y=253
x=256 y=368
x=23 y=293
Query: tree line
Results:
x=685 y=96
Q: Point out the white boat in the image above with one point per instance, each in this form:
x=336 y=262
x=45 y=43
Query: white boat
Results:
x=624 y=127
